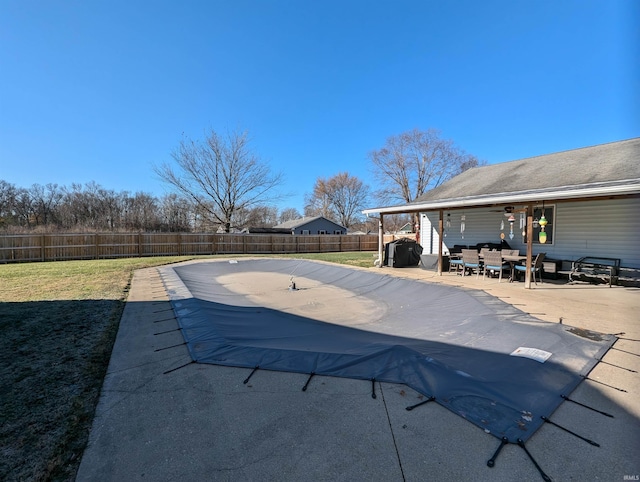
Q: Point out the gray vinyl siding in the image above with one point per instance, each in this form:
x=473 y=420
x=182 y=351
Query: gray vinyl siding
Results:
x=607 y=228
x=599 y=228
x=317 y=225
x=481 y=226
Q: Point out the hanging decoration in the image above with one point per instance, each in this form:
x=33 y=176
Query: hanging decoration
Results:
x=542 y=237
x=512 y=219
x=523 y=225
x=462 y=225
x=447 y=224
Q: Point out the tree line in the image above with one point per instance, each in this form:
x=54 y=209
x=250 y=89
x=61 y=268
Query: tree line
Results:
x=220 y=184
x=92 y=207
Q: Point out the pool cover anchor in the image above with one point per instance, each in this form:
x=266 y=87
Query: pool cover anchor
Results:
x=304 y=389
x=587 y=406
x=167 y=331
x=373 y=388
x=255 y=369
x=544 y=476
x=411 y=407
x=168 y=347
x=492 y=461
x=595 y=444
x=605 y=384
x=618 y=366
x=178 y=368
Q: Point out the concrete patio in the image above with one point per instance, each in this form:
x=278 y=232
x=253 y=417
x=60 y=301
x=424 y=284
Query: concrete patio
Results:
x=201 y=422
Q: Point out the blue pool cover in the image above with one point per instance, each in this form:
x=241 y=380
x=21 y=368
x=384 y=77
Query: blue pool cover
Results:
x=494 y=365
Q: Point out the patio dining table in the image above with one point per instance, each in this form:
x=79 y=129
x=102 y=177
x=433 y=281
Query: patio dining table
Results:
x=513 y=260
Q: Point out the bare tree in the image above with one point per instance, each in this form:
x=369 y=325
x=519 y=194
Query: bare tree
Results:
x=175 y=213
x=46 y=200
x=318 y=203
x=140 y=211
x=24 y=208
x=415 y=161
x=348 y=196
x=8 y=194
x=340 y=198
x=289 y=214
x=258 y=217
x=221 y=175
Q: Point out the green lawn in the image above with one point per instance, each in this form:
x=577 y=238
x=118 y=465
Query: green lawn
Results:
x=58 y=323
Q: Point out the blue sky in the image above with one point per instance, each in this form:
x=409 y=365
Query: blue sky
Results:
x=102 y=90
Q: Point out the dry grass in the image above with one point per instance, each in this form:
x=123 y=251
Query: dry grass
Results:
x=58 y=323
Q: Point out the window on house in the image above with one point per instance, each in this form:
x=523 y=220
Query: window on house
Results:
x=550 y=215
x=305 y=231
x=322 y=231
x=337 y=231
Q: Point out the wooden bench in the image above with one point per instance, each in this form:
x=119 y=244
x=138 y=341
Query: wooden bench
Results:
x=595 y=268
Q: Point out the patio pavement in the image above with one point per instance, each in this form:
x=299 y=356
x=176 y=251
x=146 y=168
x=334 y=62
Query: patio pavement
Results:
x=201 y=422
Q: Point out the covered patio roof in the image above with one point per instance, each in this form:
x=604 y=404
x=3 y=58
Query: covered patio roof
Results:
x=605 y=171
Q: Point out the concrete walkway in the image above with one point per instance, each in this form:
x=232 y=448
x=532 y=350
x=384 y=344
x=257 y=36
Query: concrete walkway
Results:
x=201 y=422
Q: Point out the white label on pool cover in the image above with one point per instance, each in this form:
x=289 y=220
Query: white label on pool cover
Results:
x=533 y=353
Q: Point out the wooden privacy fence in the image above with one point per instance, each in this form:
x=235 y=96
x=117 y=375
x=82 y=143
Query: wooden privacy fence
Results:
x=58 y=247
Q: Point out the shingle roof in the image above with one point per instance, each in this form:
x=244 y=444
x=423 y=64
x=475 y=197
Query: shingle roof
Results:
x=606 y=169
x=615 y=161
x=295 y=223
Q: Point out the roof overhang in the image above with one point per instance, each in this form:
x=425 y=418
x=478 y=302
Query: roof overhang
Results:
x=565 y=193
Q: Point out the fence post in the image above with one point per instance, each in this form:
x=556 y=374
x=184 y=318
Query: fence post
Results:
x=96 y=242
x=179 y=244
x=42 y=247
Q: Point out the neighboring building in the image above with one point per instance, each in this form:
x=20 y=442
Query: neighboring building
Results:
x=312 y=225
x=406 y=229
x=590 y=197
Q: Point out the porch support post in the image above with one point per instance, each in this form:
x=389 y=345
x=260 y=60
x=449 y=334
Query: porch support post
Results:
x=440 y=236
x=380 y=240
x=527 y=277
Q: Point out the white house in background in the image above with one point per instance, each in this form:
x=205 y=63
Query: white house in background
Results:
x=406 y=229
x=312 y=225
x=590 y=197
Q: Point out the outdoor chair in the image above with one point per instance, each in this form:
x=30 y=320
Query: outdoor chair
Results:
x=493 y=263
x=455 y=258
x=470 y=261
x=535 y=268
x=510 y=252
x=455 y=262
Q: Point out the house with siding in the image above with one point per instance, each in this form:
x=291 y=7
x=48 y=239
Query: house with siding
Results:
x=312 y=225
x=589 y=196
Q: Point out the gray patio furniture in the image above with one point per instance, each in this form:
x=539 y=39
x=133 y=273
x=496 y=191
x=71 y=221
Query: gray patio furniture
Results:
x=493 y=263
x=535 y=268
x=471 y=262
